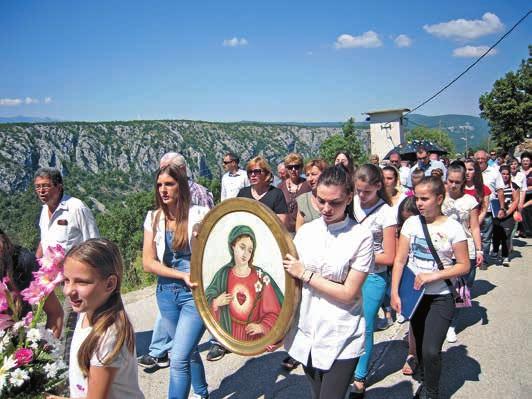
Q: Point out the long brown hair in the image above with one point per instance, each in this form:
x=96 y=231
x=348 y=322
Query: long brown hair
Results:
x=372 y=175
x=104 y=257
x=478 y=181
x=180 y=239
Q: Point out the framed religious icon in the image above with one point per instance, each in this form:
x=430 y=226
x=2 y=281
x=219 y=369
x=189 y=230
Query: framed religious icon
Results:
x=244 y=295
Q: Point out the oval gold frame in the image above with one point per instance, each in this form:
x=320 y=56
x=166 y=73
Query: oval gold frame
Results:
x=292 y=288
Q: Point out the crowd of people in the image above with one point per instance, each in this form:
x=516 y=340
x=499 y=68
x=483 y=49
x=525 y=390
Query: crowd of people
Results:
x=357 y=230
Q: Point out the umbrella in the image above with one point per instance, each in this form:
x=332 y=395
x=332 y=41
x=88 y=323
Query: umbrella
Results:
x=408 y=150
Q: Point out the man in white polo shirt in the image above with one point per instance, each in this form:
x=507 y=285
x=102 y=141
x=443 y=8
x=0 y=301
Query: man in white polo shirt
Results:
x=493 y=180
x=234 y=179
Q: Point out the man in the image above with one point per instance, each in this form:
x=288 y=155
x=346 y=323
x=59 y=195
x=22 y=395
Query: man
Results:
x=199 y=194
x=395 y=160
x=66 y=221
x=161 y=343
x=234 y=178
x=493 y=180
x=282 y=174
x=425 y=164
x=493 y=159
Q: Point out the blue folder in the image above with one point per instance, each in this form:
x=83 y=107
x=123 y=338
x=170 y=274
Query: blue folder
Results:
x=410 y=297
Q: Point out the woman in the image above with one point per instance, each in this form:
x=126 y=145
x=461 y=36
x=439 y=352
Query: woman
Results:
x=307 y=204
x=527 y=211
x=244 y=299
x=436 y=308
x=168 y=232
x=371 y=208
x=502 y=228
x=293 y=187
x=335 y=257
x=343 y=157
x=463 y=208
x=260 y=176
x=17 y=264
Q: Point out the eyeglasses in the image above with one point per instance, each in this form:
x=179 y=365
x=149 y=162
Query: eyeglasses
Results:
x=44 y=187
x=228 y=162
x=254 y=172
x=293 y=167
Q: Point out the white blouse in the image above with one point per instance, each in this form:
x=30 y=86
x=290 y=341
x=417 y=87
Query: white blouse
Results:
x=327 y=328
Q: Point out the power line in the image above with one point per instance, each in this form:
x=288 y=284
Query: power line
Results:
x=470 y=66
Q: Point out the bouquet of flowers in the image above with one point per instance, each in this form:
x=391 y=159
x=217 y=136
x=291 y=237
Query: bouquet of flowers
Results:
x=30 y=356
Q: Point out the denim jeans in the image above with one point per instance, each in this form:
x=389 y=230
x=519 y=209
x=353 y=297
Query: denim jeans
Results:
x=373 y=292
x=160 y=343
x=183 y=324
x=486 y=234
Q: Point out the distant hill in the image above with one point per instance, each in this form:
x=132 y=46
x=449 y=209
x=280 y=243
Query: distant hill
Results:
x=27 y=119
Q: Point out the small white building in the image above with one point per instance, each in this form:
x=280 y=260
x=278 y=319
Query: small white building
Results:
x=386 y=130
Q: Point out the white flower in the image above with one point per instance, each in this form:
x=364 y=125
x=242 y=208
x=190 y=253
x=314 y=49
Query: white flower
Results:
x=266 y=280
x=3 y=380
x=8 y=364
x=33 y=335
x=18 y=325
x=258 y=286
x=18 y=377
x=259 y=273
x=2 y=332
x=51 y=370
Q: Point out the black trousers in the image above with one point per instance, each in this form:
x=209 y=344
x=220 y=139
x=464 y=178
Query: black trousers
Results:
x=429 y=324
x=333 y=383
x=502 y=234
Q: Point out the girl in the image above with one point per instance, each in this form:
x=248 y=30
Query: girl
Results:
x=436 y=307
x=464 y=209
x=371 y=208
x=102 y=355
x=343 y=157
x=307 y=203
x=336 y=254
x=166 y=253
x=502 y=228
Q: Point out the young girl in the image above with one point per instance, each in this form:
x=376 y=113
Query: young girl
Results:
x=463 y=208
x=371 y=208
x=436 y=307
x=102 y=355
x=335 y=256
x=166 y=253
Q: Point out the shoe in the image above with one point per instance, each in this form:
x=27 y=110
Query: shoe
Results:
x=506 y=262
x=148 y=361
x=216 y=352
x=451 y=335
x=384 y=324
x=400 y=319
x=196 y=396
x=494 y=255
x=289 y=363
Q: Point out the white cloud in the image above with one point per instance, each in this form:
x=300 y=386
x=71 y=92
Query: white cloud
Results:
x=464 y=29
x=472 y=51
x=29 y=100
x=235 y=42
x=47 y=100
x=10 y=102
x=403 y=41
x=368 y=39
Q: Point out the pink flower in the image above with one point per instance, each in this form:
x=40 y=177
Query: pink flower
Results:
x=52 y=258
x=28 y=319
x=5 y=321
x=34 y=293
x=48 y=279
x=23 y=356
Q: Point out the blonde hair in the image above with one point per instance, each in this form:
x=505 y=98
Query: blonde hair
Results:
x=317 y=162
x=293 y=158
x=263 y=164
x=104 y=257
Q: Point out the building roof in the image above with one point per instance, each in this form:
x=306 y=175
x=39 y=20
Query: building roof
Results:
x=386 y=111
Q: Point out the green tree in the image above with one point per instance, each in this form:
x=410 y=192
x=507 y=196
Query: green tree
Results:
x=436 y=136
x=349 y=128
x=338 y=142
x=508 y=106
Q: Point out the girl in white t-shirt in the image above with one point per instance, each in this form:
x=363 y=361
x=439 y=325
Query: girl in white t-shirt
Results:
x=436 y=308
x=371 y=208
x=102 y=355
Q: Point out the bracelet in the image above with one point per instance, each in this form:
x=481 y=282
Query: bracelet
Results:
x=310 y=278
x=479 y=251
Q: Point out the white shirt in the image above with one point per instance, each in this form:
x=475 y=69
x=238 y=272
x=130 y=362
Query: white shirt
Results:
x=493 y=179
x=71 y=223
x=125 y=384
x=329 y=329
x=520 y=180
x=404 y=174
x=376 y=222
x=432 y=165
x=460 y=210
x=233 y=182
x=443 y=236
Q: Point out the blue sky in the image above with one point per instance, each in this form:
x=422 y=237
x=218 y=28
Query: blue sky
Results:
x=245 y=60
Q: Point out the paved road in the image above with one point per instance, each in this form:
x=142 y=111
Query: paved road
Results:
x=492 y=358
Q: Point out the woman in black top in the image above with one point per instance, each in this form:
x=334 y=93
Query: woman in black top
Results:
x=260 y=176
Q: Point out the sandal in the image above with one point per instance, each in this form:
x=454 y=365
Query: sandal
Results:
x=290 y=363
x=410 y=366
x=357 y=393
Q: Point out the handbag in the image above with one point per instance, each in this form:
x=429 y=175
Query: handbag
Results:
x=460 y=291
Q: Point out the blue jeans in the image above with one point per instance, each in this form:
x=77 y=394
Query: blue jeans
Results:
x=160 y=343
x=182 y=322
x=486 y=233
x=373 y=292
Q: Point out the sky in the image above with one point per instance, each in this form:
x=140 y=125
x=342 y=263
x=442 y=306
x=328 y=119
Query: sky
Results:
x=246 y=60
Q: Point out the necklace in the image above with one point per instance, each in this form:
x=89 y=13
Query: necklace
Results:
x=292 y=194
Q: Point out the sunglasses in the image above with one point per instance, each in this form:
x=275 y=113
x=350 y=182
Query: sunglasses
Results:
x=293 y=167
x=254 y=172
x=228 y=162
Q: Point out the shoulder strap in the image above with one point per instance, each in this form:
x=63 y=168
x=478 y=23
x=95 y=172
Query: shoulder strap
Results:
x=433 y=250
x=369 y=214
x=155 y=216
